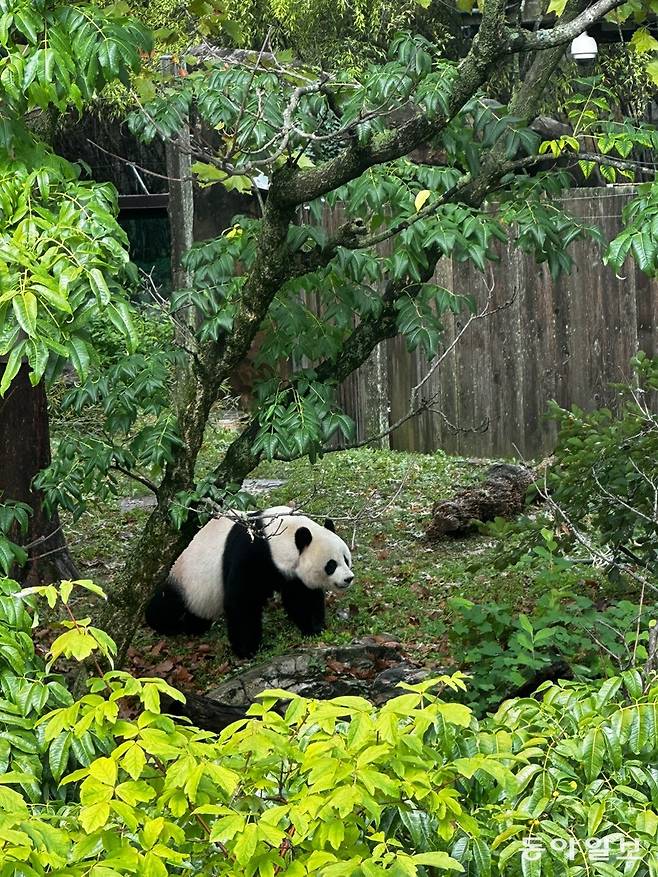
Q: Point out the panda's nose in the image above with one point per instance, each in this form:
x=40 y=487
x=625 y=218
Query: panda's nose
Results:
x=348 y=580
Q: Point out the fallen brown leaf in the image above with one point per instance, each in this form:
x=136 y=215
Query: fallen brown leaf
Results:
x=163 y=667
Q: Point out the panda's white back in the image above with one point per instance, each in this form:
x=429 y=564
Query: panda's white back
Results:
x=198 y=570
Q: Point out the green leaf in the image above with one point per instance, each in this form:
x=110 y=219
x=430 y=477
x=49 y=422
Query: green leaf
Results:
x=594 y=817
x=618 y=250
x=25 y=311
x=121 y=318
x=633 y=682
x=12 y=367
x=481 y=857
x=99 y=286
x=593 y=749
x=58 y=754
x=27 y=24
x=79 y=356
x=438 y=860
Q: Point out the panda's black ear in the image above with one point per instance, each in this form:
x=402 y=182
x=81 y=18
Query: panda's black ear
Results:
x=303 y=538
x=329 y=525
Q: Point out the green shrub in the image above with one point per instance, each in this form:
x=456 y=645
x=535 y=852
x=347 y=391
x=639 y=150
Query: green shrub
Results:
x=502 y=649
x=340 y=787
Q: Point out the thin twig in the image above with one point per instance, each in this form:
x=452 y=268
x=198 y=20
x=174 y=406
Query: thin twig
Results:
x=142 y=479
x=139 y=167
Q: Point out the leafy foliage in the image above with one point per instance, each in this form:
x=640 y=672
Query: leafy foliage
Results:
x=62 y=260
x=133 y=401
x=14 y=518
x=59 y=55
x=503 y=649
x=28 y=759
x=640 y=235
x=270 y=124
x=62 y=254
x=340 y=787
x=352 y=33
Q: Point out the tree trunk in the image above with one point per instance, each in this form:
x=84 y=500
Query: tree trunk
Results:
x=24 y=451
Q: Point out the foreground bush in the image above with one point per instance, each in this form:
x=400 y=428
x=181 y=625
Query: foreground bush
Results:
x=339 y=787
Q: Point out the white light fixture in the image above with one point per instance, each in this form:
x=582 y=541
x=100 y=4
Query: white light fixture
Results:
x=584 y=48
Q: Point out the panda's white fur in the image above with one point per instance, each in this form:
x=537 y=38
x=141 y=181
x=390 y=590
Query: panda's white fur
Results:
x=236 y=562
x=199 y=569
x=201 y=564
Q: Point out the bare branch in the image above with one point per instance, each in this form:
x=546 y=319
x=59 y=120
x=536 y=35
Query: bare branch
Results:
x=548 y=38
x=142 y=479
x=138 y=167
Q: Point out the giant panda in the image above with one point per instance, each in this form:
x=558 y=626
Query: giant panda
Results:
x=236 y=562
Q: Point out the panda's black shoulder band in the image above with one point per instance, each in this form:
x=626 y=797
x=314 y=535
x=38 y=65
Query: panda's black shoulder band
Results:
x=254 y=524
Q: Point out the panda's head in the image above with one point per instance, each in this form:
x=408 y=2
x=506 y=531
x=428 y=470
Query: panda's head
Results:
x=325 y=560
x=309 y=551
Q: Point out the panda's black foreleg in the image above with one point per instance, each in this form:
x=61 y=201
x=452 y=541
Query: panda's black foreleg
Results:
x=244 y=624
x=304 y=607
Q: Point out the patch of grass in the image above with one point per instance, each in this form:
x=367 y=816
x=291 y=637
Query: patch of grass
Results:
x=381 y=503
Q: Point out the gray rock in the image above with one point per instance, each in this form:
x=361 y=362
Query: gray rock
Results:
x=359 y=668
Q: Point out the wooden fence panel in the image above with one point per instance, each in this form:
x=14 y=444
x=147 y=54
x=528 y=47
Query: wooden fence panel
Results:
x=565 y=341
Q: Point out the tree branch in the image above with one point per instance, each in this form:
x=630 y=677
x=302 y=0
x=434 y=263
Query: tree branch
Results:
x=135 y=477
x=301 y=185
x=547 y=38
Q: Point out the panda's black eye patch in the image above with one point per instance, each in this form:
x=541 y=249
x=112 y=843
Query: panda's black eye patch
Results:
x=347 y=562
x=330 y=568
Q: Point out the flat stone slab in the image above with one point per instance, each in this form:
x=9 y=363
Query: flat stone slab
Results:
x=371 y=668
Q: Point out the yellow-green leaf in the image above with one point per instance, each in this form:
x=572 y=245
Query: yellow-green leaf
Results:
x=594 y=817
x=133 y=761
x=438 y=860
x=421 y=198
x=652 y=72
x=245 y=845
x=642 y=41
x=95 y=816
x=556 y=6
x=104 y=770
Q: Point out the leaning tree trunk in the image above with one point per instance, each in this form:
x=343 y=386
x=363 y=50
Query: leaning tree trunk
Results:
x=24 y=451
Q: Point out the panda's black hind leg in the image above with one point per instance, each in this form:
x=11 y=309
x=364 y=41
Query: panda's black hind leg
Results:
x=244 y=625
x=166 y=613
